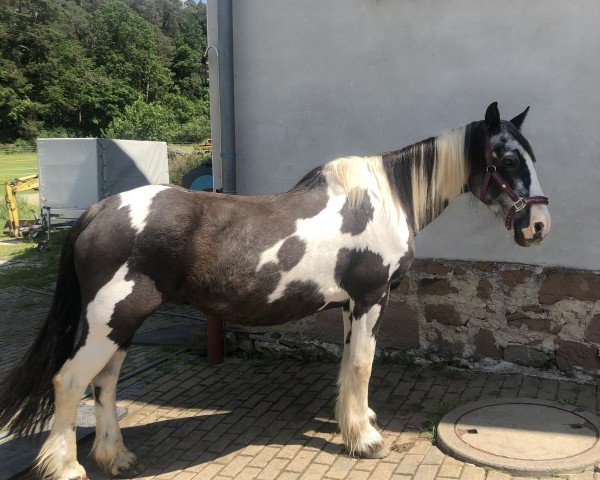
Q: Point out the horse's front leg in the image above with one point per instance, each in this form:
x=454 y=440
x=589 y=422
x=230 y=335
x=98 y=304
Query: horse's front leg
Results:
x=352 y=409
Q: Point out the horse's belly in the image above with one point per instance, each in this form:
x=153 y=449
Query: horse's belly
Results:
x=269 y=296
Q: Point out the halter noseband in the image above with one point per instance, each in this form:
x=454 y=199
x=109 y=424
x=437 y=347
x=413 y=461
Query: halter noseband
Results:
x=519 y=203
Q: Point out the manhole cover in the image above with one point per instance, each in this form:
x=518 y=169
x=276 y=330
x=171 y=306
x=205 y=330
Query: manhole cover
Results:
x=522 y=436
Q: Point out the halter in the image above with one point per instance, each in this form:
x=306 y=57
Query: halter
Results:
x=519 y=203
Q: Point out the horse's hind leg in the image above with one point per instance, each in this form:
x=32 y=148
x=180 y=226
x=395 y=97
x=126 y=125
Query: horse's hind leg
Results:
x=352 y=409
x=58 y=456
x=109 y=449
x=117 y=309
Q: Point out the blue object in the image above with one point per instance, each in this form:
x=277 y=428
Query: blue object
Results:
x=203 y=183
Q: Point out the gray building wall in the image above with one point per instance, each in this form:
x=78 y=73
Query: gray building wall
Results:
x=319 y=79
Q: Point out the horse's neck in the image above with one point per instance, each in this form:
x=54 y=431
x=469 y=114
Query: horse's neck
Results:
x=427 y=176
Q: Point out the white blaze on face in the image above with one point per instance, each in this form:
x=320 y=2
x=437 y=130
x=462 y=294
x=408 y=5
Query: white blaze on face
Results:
x=138 y=200
x=539 y=212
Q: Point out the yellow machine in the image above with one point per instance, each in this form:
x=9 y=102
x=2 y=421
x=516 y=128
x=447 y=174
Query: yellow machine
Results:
x=30 y=182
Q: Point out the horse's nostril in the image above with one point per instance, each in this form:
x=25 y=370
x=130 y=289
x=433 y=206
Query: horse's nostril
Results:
x=538 y=227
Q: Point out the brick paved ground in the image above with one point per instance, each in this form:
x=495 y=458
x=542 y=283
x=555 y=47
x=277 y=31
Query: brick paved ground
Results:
x=23 y=313
x=274 y=419
x=269 y=421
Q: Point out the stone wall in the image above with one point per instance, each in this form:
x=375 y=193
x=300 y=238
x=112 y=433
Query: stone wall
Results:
x=524 y=314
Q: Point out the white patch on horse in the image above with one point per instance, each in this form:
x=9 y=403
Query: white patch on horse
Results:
x=139 y=200
x=387 y=235
x=539 y=212
x=100 y=309
x=58 y=456
x=270 y=255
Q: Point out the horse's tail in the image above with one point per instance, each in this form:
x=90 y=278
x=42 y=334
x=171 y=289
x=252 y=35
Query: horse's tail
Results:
x=26 y=394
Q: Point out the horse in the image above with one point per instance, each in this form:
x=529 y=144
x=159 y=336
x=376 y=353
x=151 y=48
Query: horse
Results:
x=343 y=236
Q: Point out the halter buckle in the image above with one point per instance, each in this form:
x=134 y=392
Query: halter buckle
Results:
x=519 y=205
x=491 y=169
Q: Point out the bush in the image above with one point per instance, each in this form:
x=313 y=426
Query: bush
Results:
x=197 y=130
x=181 y=163
x=182 y=121
x=143 y=121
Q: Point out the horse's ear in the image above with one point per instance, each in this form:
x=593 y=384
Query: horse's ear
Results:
x=519 y=119
x=492 y=118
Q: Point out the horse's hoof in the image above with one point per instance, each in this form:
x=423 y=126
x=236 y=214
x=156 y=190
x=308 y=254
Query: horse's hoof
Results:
x=376 y=454
x=131 y=471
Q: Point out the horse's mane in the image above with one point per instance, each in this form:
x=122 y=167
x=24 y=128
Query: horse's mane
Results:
x=355 y=174
x=421 y=178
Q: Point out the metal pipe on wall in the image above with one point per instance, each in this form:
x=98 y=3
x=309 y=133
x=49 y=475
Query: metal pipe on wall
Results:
x=226 y=94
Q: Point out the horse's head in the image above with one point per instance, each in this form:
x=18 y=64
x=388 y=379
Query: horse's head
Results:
x=503 y=177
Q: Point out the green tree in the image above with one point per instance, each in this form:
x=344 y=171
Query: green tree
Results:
x=124 y=46
x=75 y=68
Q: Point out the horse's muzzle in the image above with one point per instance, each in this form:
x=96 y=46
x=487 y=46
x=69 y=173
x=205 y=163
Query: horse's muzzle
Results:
x=538 y=228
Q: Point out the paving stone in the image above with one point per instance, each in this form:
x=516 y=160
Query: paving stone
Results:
x=383 y=471
x=496 y=475
x=341 y=467
x=451 y=467
x=315 y=471
x=300 y=461
x=471 y=472
x=433 y=457
x=409 y=464
x=426 y=472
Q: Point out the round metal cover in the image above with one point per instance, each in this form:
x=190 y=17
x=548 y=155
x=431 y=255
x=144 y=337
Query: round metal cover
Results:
x=522 y=436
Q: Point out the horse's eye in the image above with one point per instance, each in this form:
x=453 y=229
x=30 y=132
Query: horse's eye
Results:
x=510 y=161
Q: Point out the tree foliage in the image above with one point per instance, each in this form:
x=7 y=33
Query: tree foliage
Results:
x=126 y=68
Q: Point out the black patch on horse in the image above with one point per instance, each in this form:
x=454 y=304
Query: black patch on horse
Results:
x=403 y=267
x=291 y=252
x=299 y=296
x=355 y=220
x=363 y=275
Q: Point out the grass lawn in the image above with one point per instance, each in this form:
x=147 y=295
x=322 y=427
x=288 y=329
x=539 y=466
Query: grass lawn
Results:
x=27 y=267
x=183 y=148
x=17 y=165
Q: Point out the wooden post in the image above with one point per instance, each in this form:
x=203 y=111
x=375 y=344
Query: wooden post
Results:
x=214 y=339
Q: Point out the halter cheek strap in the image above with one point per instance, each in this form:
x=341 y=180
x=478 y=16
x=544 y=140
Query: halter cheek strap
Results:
x=519 y=203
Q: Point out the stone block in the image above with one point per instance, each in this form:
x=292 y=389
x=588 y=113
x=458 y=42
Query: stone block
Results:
x=512 y=278
x=430 y=267
x=518 y=319
x=570 y=354
x=485 y=345
x=435 y=286
x=448 y=348
x=562 y=284
x=399 y=327
x=484 y=288
x=525 y=355
x=592 y=332
x=484 y=266
x=443 y=313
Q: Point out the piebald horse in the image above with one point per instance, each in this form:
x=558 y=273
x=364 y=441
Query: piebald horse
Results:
x=343 y=236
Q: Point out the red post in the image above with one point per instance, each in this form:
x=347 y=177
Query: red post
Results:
x=214 y=340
